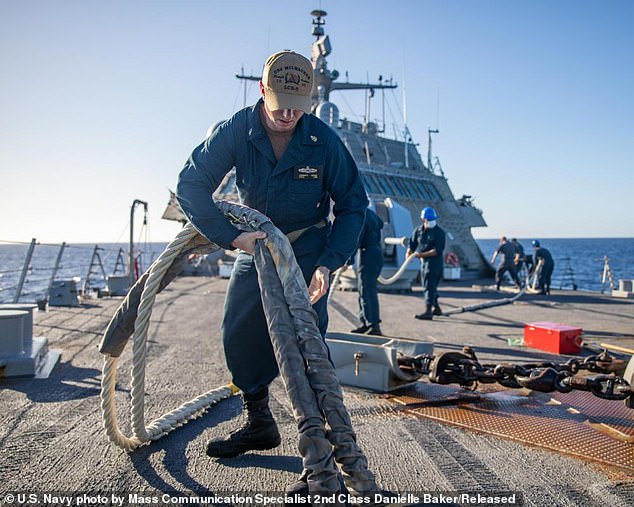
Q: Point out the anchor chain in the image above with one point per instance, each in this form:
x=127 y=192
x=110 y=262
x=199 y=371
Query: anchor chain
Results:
x=463 y=368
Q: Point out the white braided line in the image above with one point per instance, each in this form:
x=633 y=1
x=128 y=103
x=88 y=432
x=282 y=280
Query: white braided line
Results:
x=398 y=274
x=176 y=417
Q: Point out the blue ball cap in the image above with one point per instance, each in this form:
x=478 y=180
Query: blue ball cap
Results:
x=535 y=243
x=428 y=214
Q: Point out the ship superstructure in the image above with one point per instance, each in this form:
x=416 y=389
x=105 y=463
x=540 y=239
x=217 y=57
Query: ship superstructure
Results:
x=390 y=167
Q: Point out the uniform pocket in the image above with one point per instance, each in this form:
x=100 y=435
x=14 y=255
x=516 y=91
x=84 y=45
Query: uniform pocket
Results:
x=304 y=200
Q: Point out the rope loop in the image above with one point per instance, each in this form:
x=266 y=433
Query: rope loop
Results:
x=302 y=356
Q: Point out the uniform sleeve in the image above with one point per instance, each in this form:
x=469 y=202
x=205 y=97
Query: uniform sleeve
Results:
x=440 y=242
x=413 y=240
x=199 y=179
x=346 y=190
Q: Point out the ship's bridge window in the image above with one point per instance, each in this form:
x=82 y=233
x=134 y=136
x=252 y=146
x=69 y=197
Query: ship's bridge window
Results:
x=385 y=185
x=411 y=189
x=377 y=184
x=397 y=182
x=421 y=193
x=380 y=184
x=369 y=183
x=434 y=191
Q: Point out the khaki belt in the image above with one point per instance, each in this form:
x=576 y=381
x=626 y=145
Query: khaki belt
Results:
x=294 y=235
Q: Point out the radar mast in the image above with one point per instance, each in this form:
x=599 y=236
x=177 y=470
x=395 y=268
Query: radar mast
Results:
x=320 y=49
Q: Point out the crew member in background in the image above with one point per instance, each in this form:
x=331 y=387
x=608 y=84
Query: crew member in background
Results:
x=428 y=243
x=548 y=265
x=507 y=251
x=289 y=165
x=368 y=270
x=521 y=259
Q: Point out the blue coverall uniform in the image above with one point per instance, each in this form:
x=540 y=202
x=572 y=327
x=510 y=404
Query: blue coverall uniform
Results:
x=369 y=268
x=431 y=267
x=523 y=259
x=547 y=268
x=508 y=252
x=295 y=193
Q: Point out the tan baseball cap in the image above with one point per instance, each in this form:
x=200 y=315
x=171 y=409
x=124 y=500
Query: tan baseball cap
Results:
x=288 y=81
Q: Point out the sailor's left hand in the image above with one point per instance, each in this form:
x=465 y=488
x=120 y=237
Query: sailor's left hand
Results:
x=319 y=284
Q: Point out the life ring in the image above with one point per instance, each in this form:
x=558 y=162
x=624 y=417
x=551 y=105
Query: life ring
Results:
x=451 y=259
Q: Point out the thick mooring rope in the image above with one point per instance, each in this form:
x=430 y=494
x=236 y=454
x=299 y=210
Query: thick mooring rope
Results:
x=302 y=356
x=399 y=272
x=487 y=304
x=308 y=374
x=178 y=416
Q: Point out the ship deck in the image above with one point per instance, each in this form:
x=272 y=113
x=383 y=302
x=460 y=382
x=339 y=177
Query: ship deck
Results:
x=52 y=439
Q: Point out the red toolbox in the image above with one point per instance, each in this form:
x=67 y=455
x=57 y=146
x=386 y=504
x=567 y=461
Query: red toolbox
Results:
x=553 y=337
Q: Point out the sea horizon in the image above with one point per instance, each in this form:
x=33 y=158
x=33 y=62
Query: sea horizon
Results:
x=579 y=262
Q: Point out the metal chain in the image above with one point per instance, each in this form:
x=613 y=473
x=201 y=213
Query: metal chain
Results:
x=463 y=368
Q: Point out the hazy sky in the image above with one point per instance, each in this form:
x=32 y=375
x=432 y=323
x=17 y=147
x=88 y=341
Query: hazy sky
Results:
x=102 y=102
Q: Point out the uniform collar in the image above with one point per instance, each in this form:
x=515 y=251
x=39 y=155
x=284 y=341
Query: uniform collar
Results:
x=256 y=129
x=306 y=134
x=308 y=131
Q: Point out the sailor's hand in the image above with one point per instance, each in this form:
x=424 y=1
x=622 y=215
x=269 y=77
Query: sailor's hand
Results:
x=246 y=241
x=319 y=284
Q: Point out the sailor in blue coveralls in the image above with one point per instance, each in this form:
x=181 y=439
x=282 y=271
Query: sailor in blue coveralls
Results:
x=428 y=243
x=368 y=270
x=508 y=252
x=548 y=266
x=289 y=165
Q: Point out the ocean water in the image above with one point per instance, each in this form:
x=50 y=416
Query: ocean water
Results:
x=75 y=263
x=576 y=260
x=581 y=259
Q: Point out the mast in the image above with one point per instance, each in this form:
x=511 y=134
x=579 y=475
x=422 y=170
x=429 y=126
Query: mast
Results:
x=135 y=203
x=324 y=80
x=429 y=133
x=405 y=129
x=320 y=49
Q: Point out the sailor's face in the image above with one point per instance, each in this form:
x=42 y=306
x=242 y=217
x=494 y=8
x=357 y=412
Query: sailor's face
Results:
x=281 y=120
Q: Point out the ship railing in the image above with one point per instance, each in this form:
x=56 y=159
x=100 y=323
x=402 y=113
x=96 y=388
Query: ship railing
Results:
x=28 y=274
x=565 y=276
x=568 y=274
x=607 y=279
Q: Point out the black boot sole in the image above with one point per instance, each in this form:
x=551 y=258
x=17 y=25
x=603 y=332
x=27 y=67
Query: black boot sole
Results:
x=236 y=451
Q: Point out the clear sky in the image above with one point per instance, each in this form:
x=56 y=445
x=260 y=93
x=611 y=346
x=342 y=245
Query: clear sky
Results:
x=102 y=102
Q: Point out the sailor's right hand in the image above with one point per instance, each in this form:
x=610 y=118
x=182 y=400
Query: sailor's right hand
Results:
x=246 y=241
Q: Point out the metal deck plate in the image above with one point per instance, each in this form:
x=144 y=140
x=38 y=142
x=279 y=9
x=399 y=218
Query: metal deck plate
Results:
x=521 y=416
x=611 y=417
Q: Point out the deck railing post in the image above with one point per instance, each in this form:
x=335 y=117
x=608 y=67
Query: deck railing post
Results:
x=56 y=267
x=25 y=269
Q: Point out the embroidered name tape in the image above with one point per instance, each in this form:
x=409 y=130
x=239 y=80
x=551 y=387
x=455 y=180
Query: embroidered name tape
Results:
x=307 y=172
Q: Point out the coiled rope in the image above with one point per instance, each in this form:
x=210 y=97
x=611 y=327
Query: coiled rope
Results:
x=178 y=416
x=302 y=356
